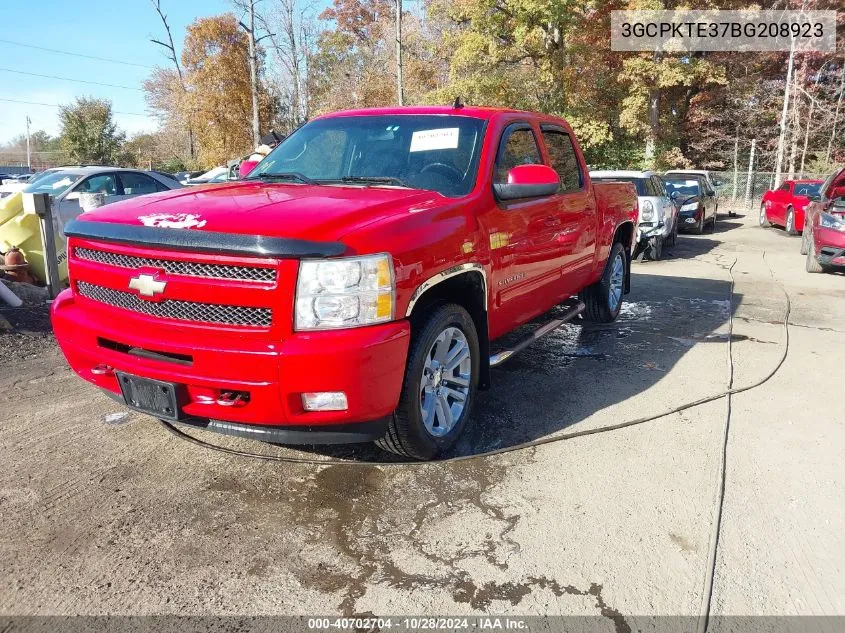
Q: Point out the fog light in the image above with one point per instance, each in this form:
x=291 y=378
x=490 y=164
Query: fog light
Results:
x=324 y=401
x=690 y=220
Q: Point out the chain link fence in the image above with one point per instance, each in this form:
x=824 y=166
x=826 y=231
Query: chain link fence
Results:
x=734 y=188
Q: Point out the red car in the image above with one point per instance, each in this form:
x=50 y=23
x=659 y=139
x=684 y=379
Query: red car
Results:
x=352 y=287
x=785 y=206
x=824 y=234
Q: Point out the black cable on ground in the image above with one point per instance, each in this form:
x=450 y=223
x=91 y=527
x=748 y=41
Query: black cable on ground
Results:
x=516 y=447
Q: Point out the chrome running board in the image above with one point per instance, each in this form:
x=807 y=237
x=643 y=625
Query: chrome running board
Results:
x=570 y=313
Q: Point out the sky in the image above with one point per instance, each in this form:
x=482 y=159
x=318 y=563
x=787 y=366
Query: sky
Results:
x=118 y=30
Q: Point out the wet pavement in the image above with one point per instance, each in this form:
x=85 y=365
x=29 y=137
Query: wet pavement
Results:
x=104 y=513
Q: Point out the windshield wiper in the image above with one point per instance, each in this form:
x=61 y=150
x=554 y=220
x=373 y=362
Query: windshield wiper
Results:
x=378 y=180
x=289 y=175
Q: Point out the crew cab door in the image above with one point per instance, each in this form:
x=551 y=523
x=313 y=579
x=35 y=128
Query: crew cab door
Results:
x=575 y=207
x=527 y=256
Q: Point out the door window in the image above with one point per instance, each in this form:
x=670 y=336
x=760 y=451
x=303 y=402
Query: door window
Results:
x=102 y=183
x=137 y=184
x=784 y=187
x=563 y=158
x=518 y=147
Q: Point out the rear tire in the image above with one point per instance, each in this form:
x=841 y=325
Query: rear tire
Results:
x=790 y=221
x=436 y=402
x=805 y=242
x=764 y=217
x=603 y=299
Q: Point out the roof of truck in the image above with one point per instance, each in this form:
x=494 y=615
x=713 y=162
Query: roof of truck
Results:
x=479 y=112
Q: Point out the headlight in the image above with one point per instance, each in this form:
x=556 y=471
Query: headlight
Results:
x=647 y=211
x=343 y=293
x=828 y=221
x=692 y=206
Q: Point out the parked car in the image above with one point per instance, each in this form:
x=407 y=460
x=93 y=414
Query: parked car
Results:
x=352 y=287
x=184 y=176
x=824 y=227
x=785 y=205
x=657 y=224
x=712 y=181
x=696 y=198
x=66 y=186
x=218 y=174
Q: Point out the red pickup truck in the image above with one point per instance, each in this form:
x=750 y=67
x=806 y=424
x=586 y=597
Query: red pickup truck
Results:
x=353 y=287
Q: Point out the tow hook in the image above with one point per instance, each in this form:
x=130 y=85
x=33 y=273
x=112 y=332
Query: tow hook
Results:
x=233 y=399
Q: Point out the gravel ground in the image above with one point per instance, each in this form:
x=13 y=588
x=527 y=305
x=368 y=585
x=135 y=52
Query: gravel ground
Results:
x=103 y=514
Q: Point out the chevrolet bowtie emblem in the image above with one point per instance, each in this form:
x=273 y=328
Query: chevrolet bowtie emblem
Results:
x=147 y=286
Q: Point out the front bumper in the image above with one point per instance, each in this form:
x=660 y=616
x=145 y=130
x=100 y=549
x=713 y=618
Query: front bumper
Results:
x=829 y=246
x=646 y=231
x=367 y=364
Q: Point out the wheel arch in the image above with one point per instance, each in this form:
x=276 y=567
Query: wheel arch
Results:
x=464 y=285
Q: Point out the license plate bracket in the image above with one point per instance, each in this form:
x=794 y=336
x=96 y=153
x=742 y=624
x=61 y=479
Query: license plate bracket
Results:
x=154 y=397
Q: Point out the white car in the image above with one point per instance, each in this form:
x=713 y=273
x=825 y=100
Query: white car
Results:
x=658 y=220
x=66 y=185
x=218 y=174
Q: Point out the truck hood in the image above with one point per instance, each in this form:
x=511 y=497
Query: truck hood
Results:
x=318 y=213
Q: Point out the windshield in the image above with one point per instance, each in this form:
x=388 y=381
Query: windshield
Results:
x=437 y=153
x=639 y=183
x=685 y=188
x=55 y=183
x=811 y=190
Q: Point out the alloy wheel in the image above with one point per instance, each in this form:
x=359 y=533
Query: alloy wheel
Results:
x=617 y=278
x=445 y=383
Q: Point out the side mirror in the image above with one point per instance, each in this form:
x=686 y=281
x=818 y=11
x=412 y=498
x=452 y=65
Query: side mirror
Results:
x=674 y=195
x=528 y=181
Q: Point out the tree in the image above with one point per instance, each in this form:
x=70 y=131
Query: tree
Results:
x=217 y=100
x=88 y=133
x=170 y=47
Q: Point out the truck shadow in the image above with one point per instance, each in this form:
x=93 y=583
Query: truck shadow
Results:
x=581 y=369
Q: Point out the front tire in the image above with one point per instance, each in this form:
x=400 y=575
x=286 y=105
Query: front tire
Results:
x=764 y=217
x=812 y=265
x=438 y=392
x=790 y=221
x=655 y=249
x=699 y=228
x=603 y=299
x=805 y=242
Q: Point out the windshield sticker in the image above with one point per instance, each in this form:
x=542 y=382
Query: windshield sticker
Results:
x=428 y=140
x=173 y=220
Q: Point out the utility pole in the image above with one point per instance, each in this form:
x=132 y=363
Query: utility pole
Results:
x=253 y=74
x=783 y=115
x=400 y=96
x=748 y=188
x=28 y=152
x=736 y=164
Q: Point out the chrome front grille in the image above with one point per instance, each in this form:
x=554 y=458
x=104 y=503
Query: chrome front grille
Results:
x=179 y=310
x=175 y=267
